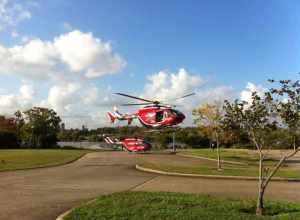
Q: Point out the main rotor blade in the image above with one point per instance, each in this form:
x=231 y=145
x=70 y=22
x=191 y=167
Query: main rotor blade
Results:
x=75 y=116
x=184 y=96
x=130 y=104
x=134 y=97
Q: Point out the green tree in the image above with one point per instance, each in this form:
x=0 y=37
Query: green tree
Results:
x=40 y=128
x=255 y=119
x=209 y=118
x=261 y=117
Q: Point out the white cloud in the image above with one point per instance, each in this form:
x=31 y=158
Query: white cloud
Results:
x=82 y=52
x=32 y=60
x=167 y=86
x=91 y=96
x=61 y=97
x=10 y=103
x=79 y=104
x=63 y=63
x=164 y=85
x=246 y=94
x=73 y=54
x=12 y=13
x=27 y=92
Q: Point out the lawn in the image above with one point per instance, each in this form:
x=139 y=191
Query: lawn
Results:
x=161 y=205
x=249 y=166
x=238 y=155
x=32 y=158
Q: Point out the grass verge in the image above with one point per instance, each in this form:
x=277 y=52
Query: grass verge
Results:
x=34 y=158
x=161 y=205
x=238 y=155
x=249 y=166
x=226 y=171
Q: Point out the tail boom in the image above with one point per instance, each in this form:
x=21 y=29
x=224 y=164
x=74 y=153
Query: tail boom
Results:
x=113 y=116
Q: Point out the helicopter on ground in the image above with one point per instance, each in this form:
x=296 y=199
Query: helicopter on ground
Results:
x=130 y=144
x=154 y=114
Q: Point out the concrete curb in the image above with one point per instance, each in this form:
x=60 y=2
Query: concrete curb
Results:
x=145 y=169
x=207 y=158
x=63 y=215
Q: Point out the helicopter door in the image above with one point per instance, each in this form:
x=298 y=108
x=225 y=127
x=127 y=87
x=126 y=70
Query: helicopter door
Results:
x=159 y=116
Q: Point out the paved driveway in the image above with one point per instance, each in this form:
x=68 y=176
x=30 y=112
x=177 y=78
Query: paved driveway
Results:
x=46 y=193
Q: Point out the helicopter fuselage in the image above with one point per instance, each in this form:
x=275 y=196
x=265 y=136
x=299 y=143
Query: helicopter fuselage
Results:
x=159 y=116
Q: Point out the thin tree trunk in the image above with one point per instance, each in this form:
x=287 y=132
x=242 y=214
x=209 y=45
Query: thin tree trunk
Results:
x=263 y=183
x=260 y=202
x=218 y=152
x=173 y=142
x=260 y=199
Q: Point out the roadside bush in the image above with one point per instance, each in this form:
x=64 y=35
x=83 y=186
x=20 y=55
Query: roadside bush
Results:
x=8 y=140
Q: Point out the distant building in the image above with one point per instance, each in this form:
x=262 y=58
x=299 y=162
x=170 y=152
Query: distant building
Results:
x=8 y=133
x=7 y=125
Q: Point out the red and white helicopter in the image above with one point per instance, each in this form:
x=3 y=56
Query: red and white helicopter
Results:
x=153 y=115
x=130 y=144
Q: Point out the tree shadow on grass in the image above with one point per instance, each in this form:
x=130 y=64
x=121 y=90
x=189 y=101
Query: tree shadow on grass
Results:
x=272 y=210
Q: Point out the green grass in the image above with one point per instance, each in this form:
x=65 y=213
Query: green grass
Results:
x=232 y=170
x=165 y=206
x=249 y=168
x=32 y=158
x=239 y=155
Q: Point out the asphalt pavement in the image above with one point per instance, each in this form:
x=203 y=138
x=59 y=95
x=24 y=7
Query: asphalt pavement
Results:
x=43 y=194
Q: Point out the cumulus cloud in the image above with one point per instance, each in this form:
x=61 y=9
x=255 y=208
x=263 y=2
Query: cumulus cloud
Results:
x=62 y=63
x=82 y=52
x=79 y=104
x=246 y=94
x=165 y=85
x=10 y=103
x=61 y=97
x=74 y=53
x=91 y=96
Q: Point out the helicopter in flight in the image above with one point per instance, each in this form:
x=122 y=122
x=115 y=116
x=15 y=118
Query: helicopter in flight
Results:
x=153 y=115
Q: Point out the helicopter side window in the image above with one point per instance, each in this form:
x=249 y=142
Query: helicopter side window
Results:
x=159 y=116
x=168 y=113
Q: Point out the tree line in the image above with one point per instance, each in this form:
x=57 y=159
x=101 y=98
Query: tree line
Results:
x=34 y=128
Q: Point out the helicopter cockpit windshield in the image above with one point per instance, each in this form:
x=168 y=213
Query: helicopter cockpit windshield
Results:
x=174 y=112
x=168 y=113
x=159 y=116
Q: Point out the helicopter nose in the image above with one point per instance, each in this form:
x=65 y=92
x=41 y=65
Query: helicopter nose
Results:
x=181 y=116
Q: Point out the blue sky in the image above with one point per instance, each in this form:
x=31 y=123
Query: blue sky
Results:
x=225 y=43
